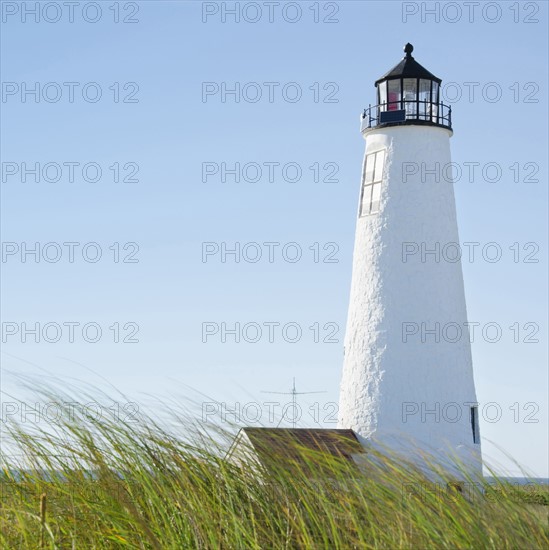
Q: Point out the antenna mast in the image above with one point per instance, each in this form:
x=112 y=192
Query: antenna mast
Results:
x=294 y=393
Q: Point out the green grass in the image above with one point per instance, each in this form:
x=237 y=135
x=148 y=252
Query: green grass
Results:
x=159 y=488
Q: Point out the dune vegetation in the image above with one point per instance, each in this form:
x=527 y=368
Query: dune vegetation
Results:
x=96 y=483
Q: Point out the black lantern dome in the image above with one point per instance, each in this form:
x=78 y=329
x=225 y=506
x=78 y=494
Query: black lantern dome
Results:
x=408 y=94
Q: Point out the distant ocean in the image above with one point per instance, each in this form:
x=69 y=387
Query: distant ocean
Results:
x=520 y=480
x=16 y=475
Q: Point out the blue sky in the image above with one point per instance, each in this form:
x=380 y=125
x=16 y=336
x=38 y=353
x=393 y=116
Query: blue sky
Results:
x=170 y=130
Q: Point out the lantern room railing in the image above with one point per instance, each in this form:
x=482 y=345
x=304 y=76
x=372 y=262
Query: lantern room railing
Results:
x=407 y=112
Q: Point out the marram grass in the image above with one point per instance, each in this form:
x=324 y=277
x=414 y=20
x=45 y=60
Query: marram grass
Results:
x=104 y=483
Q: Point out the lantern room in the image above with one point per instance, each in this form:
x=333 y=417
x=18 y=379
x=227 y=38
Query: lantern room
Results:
x=408 y=94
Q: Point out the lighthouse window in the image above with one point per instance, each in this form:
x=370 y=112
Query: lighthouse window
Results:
x=474 y=424
x=410 y=97
x=378 y=169
x=435 y=92
x=369 y=171
x=434 y=105
x=394 y=95
x=424 y=99
x=376 y=192
x=383 y=95
x=371 y=186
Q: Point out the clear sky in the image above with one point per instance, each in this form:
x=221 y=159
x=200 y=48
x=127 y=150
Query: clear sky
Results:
x=163 y=124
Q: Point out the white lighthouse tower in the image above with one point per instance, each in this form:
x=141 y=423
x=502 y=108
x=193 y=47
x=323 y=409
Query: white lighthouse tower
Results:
x=408 y=378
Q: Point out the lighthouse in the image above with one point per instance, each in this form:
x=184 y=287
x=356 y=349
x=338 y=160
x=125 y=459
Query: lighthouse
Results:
x=407 y=380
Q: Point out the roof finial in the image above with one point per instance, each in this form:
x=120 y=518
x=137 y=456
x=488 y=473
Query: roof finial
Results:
x=408 y=49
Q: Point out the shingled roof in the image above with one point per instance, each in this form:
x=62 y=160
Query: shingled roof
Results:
x=290 y=447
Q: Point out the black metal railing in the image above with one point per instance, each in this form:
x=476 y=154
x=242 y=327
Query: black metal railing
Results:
x=408 y=111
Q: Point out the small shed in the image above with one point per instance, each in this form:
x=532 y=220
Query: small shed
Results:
x=308 y=449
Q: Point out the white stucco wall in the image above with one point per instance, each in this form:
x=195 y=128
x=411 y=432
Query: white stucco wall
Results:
x=384 y=376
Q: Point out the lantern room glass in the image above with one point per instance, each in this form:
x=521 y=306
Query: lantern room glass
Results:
x=393 y=96
x=418 y=97
x=382 y=96
x=424 y=99
x=434 y=103
x=410 y=97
